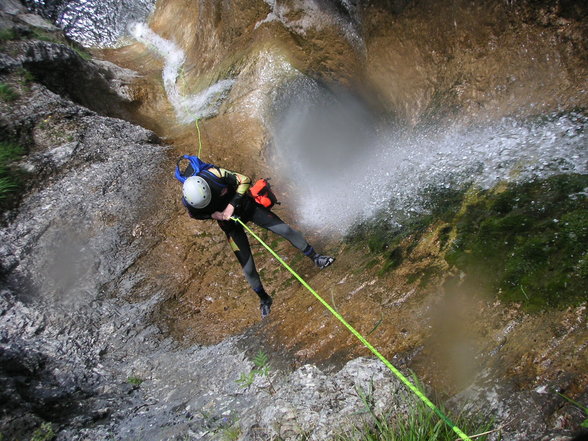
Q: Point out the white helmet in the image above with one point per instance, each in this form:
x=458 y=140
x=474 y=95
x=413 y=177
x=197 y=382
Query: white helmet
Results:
x=196 y=192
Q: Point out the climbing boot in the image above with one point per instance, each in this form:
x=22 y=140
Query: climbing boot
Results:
x=265 y=306
x=323 y=261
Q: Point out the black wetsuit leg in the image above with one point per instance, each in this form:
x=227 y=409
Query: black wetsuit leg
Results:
x=240 y=246
x=266 y=219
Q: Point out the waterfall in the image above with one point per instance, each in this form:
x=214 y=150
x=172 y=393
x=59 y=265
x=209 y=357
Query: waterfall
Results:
x=392 y=172
x=91 y=23
x=188 y=108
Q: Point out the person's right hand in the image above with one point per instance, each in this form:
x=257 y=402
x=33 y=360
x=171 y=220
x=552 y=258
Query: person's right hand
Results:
x=217 y=215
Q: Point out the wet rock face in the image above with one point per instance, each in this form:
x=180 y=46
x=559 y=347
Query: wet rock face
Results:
x=92 y=200
x=34 y=45
x=70 y=238
x=70 y=342
x=192 y=394
x=64 y=246
x=93 y=23
x=100 y=85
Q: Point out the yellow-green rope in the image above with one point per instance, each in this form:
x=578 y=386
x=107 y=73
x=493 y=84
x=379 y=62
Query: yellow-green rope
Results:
x=362 y=339
x=199 y=140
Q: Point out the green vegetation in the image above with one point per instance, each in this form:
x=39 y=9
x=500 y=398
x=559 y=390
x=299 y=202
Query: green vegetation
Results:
x=395 y=242
x=9 y=179
x=135 y=381
x=524 y=242
x=584 y=409
x=420 y=424
x=230 y=433
x=59 y=39
x=26 y=77
x=8 y=34
x=81 y=52
x=226 y=428
x=38 y=34
x=44 y=433
x=7 y=93
x=528 y=242
x=262 y=369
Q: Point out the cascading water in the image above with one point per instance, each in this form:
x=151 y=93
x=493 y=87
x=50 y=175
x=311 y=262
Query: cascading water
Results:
x=92 y=23
x=314 y=15
x=361 y=175
x=188 y=108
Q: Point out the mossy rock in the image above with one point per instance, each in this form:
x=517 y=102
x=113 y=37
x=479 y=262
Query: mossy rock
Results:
x=10 y=177
x=525 y=242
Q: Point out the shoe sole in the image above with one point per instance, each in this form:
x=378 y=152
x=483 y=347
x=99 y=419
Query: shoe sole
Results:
x=329 y=263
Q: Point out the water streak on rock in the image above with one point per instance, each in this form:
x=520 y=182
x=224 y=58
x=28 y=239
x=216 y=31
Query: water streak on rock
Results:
x=188 y=107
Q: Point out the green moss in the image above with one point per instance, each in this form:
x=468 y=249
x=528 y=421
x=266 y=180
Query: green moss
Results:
x=393 y=260
x=430 y=274
x=413 y=277
x=44 y=433
x=370 y=264
x=58 y=38
x=288 y=283
x=81 y=52
x=396 y=242
x=38 y=34
x=9 y=178
x=135 y=381
x=444 y=236
x=8 y=34
x=527 y=242
x=7 y=93
x=425 y=276
x=26 y=77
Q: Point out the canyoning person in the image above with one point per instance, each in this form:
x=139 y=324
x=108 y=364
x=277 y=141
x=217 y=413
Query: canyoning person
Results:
x=211 y=192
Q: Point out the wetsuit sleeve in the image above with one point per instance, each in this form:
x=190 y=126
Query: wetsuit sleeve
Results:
x=241 y=182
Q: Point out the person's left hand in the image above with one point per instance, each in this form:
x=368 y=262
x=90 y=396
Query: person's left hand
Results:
x=228 y=212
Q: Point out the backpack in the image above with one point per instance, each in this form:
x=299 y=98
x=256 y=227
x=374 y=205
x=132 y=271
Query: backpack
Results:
x=194 y=167
x=262 y=193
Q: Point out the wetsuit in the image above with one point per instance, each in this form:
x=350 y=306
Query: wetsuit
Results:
x=228 y=187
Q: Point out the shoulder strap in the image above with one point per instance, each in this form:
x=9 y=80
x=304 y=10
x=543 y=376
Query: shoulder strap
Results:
x=217 y=180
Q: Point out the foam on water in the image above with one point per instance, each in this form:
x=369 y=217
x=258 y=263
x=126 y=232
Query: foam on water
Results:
x=393 y=173
x=187 y=107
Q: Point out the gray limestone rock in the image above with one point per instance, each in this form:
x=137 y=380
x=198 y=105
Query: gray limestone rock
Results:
x=37 y=21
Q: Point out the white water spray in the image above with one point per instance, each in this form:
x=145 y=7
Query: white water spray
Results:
x=393 y=174
x=188 y=108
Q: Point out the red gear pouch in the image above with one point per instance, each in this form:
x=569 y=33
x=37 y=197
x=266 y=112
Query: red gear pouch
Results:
x=262 y=193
